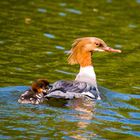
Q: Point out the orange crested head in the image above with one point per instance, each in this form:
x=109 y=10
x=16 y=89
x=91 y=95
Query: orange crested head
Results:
x=83 y=48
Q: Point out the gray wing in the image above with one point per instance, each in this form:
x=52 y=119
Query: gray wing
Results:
x=72 y=89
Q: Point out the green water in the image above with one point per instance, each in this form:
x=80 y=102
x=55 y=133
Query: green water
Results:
x=35 y=37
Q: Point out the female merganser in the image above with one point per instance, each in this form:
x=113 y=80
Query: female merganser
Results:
x=85 y=85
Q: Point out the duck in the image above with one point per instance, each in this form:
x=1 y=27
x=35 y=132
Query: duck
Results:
x=35 y=94
x=85 y=84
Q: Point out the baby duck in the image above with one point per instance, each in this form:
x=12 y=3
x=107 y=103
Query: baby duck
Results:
x=36 y=93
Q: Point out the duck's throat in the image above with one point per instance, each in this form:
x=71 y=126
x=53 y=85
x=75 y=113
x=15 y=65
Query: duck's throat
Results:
x=84 y=59
x=87 y=74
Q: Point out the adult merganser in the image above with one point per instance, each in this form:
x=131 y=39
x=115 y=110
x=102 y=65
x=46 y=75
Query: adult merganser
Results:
x=85 y=84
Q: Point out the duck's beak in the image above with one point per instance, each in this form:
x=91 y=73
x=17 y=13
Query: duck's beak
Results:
x=109 y=49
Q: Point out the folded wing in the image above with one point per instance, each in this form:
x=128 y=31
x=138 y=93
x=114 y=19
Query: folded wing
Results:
x=72 y=89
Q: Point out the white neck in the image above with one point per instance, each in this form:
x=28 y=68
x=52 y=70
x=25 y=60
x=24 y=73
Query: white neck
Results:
x=87 y=74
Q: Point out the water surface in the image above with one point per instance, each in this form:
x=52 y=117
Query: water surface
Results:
x=35 y=37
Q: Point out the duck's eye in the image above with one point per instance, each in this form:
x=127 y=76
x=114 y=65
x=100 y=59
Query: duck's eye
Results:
x=22 y=98
x=97 y=44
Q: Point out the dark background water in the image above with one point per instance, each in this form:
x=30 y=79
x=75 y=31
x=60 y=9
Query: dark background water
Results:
x=35 y=37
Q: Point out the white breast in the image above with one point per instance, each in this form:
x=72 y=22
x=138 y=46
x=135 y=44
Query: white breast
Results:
x=87 y=74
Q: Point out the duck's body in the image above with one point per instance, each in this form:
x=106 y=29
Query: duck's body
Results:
x=72 y=89
x=85 y=84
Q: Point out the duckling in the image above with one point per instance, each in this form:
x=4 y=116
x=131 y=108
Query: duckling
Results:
x=36 y=93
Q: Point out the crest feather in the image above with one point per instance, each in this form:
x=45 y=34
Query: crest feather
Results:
x=72 y=59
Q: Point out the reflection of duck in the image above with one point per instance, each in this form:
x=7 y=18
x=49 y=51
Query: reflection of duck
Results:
x=85 y=83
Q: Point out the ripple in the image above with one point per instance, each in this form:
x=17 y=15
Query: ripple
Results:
x=109 y=1
x=74 y=11
x=95 y=10
x=101 y=17
x=65 y=72
x=19 y=69
x=2 y=137
x=49 y=52
x=59 y=47
x=41 y=10
x=49 y=35
x=134 y=115
x=110 y=112
x=63 y=4
x=118 y=46
x=67 y=52
x=136 y=87
x=62 y=14
x=2 y=42
x=132 y=26
x=33 y=116
x=13 y=88
x=135 y=133
x=121 y=120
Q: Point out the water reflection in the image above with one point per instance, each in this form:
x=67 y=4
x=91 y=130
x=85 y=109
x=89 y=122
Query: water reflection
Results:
x=86 y=111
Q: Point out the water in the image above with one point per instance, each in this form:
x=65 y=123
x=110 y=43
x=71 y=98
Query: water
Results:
x=35 y=37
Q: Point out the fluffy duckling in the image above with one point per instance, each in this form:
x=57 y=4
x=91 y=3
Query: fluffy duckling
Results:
x=35 y=95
